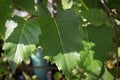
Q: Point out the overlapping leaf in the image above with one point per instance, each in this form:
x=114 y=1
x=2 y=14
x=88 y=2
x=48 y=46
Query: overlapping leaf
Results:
x=66 y=62
x=88 y=63
x=20 y=40
x=63 y=35
x=107 y=75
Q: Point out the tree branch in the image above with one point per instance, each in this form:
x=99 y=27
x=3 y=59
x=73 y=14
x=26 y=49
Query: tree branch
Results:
x=18 y=5
x=116 y=29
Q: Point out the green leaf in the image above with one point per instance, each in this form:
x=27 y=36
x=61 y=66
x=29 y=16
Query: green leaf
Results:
x=88 y=63
x=90 y=76
x=69 y=31
x=16 y=53
x=66 y=62
x=26 y=32
x=94 y=67
x=107 y=76
x=60 y=35
x=96 y=16
x=84 y=53
x=5 y=13
x=103 y=38
x=67 y=4
x=20 y=40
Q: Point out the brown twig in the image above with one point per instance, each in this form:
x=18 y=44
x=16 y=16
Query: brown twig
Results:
x=116 y=29
x=38 y=67
x=45 y=67
x=18 y=5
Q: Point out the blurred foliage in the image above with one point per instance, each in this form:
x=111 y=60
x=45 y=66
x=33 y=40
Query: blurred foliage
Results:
x=75 y=35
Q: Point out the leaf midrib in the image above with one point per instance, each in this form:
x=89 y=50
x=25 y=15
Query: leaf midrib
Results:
x=61 y=42
x=22 y=31
x=19 y=40
x=59 y=35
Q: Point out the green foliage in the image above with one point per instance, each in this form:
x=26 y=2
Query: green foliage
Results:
x=66 y=62
x=20 y=48
x=70 y=38
x=61 y=34
x=88 y=63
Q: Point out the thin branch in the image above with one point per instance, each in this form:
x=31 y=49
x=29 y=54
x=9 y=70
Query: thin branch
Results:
x=18 y=5
x=45 y=67
x=110 y=13
x=39 y=67
x=116 y=29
